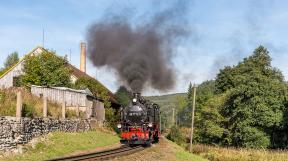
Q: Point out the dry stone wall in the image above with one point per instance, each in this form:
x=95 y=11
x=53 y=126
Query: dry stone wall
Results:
x=15 y=131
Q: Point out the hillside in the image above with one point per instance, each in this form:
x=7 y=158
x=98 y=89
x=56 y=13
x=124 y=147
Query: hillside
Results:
x=167 y=103
x=166 y=100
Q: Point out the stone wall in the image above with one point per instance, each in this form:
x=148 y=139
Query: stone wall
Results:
x=15 y=131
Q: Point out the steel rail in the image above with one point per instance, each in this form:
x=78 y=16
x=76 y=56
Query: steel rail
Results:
x=102 y=155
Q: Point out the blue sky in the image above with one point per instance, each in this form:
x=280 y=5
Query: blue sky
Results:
x=222 y=32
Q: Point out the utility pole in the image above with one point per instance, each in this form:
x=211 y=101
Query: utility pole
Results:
x=192 y=122
x=179 y=120
x=160 y=127
x=176 y=119
x=173 y=116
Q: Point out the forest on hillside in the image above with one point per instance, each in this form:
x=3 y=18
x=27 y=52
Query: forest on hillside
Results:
x=245 y=106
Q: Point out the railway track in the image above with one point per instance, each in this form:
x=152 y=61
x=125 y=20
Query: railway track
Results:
x=102 y=155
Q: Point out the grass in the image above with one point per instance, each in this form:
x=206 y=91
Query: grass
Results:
x=216 y=153
x=233 y=154
x=182 y=155
x=60 y=144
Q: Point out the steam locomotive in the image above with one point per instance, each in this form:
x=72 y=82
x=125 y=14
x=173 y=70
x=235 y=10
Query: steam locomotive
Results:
x=139 y=122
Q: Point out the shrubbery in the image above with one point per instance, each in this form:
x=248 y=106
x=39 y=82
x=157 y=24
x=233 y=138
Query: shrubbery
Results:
x=100 y=91
x=176 y=136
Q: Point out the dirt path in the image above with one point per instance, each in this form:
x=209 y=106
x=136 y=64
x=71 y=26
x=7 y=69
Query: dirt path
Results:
x=164 y=151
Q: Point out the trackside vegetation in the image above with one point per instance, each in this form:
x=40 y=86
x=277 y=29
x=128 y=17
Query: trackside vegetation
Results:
x=245 y=106
x=32 y=106
x=241 y=115
x=58 y=144
x=214 y=153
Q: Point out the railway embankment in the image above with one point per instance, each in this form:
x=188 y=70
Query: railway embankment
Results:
x=14 y=132
x=59 y=144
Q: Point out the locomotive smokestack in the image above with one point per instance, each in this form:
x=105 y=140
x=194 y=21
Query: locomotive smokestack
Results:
x=136 y=97
x=83 y=57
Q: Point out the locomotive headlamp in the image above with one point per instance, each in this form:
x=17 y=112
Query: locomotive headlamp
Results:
x=134 y=100
x=150 y=124
x=119 y=126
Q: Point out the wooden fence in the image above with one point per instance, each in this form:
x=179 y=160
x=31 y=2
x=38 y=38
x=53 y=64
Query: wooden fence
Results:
x=73 y=99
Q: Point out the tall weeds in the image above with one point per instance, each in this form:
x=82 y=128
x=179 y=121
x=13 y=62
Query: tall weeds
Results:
x=214 y=153
x=32 y=105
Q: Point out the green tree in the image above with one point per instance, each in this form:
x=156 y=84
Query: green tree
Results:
x=190 y=92
x=2 y=71
x=95 y=87
x=123 y=96
x=279 y=136
x=46 y=69
x=255 y=105
x=208 y=120
x=11 y=60
x=181 y=105
x=100 y=91
x=185 y=113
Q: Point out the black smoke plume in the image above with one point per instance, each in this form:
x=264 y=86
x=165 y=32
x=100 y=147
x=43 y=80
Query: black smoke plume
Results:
x=139 y=53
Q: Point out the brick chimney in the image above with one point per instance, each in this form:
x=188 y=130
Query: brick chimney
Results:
x=83 y=57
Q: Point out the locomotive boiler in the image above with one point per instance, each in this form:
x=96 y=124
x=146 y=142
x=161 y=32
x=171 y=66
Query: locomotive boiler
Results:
x=139 y=122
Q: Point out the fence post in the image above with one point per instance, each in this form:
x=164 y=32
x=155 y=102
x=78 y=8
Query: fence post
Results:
x=77 y=110
x=89 y=105
x=63 y=109
x=19 y=104
x=45 y=108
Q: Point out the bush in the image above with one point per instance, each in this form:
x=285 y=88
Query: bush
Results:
x=253 y=138
x=95 y=87
x=28 y=111
x=176 y=136
x=111 y=117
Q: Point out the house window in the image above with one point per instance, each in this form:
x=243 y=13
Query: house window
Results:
x=16 y=82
